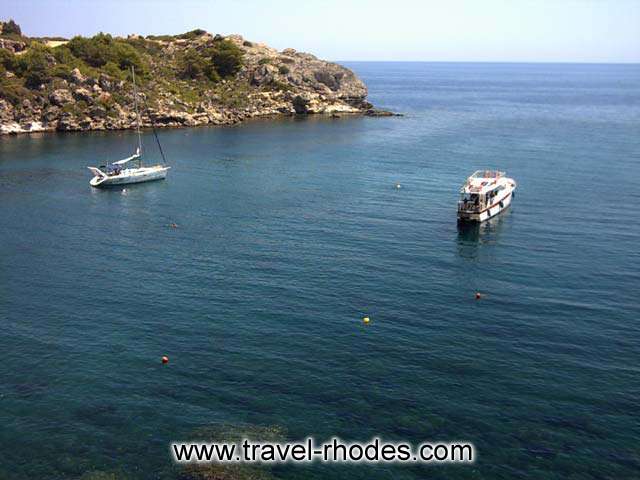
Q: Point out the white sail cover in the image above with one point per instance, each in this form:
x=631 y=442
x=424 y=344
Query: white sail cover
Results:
x=128 y=159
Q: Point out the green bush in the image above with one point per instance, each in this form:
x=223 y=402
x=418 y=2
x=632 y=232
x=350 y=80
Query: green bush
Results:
x=283 y=69
x=126 y=57
x=195 y=65
x=192 y=34
x=112 y=70
x=102 y=48
x=63 y=54
x=277 y=85
x=34 y=67
x=12 y=91
x=222 y=60
x=227 y=58
x=144 y=45
x=61 y=71
x=8 y=59
x=165 y=38
x=95 y=51
x=264 y=61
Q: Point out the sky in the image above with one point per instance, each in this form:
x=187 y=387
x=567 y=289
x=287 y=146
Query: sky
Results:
x=349 y=30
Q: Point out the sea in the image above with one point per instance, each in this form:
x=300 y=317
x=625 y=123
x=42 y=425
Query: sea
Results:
x=252 y=266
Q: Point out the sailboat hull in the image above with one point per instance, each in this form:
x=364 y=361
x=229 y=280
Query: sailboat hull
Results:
x=130 y=175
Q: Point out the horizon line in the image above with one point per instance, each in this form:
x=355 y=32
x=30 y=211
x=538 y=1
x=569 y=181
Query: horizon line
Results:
x=545 y=62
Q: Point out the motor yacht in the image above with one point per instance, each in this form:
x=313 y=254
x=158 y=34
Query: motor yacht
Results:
x=485 y=194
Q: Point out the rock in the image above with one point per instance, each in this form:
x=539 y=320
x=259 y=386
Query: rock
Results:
x=11 y=128
x=67 y=123
x=51 y=114
x=104 y=97
x=264 y=74
x=83 y=94
x=173 y=118
x=327 y=78
x=85 y=123
x=33 y=127
x=77 y=77
x=105 y=82
x=14 y=46
x=97 y=112
x=380 y=113
x=6 y=111
x=50 y=59
x=60 y=97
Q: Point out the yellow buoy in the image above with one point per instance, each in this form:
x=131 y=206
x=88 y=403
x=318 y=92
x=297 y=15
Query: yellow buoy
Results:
x=366 y=320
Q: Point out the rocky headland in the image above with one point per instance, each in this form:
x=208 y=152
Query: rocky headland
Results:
x=191 y=79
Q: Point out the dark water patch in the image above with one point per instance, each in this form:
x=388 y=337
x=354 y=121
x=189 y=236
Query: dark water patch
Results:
x=30 y=389
x=102 y=415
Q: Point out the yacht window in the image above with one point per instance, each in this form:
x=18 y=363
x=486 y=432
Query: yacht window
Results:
x=470 y=197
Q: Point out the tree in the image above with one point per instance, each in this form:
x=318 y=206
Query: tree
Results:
x=96 y=51
x=193 y=65
x=11 y=27
x=102 y=48
x=126 y=56
x=227 y=58
x=34 y=67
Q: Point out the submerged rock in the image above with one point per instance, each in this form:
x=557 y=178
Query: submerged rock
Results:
x=230 y=433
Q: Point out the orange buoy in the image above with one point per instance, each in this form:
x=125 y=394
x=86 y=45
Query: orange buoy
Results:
x=478 y=296
x=165 y=359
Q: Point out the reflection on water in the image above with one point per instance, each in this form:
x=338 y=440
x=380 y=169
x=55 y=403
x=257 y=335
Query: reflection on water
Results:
x=472 y=235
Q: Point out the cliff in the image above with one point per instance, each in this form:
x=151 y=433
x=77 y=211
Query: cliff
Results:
x=183 y=80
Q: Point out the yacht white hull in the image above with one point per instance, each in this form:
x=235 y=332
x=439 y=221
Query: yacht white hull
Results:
x=499 y=205
x=130 y=175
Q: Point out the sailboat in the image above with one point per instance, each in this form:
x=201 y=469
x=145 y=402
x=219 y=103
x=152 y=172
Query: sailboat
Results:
x=119 y=173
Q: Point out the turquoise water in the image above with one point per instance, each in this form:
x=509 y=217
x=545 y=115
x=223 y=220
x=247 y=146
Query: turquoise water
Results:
x=289 y=232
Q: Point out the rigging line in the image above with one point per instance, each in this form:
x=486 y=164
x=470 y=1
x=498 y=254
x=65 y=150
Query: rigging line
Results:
x=155 y=133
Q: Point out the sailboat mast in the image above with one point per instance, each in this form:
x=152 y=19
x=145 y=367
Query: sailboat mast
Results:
x=135 y=103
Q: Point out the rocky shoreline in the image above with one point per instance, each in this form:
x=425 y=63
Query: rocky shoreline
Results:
x=267 y=83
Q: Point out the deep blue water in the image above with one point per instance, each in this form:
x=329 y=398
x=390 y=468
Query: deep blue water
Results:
x=289 y=232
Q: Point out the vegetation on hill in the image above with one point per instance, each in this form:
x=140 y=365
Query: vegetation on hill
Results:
x=194 y=78
x=104 y=54
x=222 y=60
